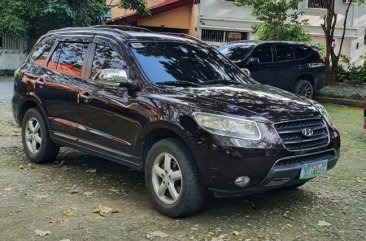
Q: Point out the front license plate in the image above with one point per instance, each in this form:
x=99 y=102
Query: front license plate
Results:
x=312 y=170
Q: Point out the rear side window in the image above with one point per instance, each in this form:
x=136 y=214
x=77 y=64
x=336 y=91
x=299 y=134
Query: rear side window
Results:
x=42 y=50
x=263 y=53
x=106 y=58
x=302 y=51
x=69 y=58
x=284 y=52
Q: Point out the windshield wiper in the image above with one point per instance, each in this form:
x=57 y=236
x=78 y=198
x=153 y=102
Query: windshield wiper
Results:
x=178 y=83
x=221 y=81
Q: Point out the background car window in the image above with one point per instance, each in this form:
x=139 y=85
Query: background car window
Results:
x=284 y=52
x=106 y=58
x=236 y=52
x=68 y=58
x=302 y=51
x=263 y=53
x=41 y=52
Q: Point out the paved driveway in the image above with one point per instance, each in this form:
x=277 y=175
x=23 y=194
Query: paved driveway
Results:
x=6 y=88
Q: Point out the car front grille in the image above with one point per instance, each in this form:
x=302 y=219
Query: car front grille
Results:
x=323 y=156
x=291 y=133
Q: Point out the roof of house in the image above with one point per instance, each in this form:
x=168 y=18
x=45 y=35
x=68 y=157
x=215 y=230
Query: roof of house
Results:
x=155 y=7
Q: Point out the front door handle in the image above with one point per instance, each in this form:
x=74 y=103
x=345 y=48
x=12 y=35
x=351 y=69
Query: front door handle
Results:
x=40 y=81
x=85 y=97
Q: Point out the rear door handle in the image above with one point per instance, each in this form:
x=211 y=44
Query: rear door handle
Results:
x=85 y=97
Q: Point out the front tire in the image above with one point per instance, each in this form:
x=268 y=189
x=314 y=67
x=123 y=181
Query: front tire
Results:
x=37 y=143
x=304 y=88
x=172 y=179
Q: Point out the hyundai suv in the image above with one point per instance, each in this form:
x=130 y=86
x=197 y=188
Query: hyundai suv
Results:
x=173 y=107
x=292 y=66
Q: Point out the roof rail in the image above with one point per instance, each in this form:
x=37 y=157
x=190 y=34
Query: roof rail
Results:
x=87 y=29
x=183 y=35
x=123 y=28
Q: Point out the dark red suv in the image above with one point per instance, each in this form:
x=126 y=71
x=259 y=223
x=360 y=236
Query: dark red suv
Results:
x=173 y=107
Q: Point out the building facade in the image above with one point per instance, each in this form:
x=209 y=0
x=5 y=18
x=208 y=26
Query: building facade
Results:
x=178 y=16
x=222 y=21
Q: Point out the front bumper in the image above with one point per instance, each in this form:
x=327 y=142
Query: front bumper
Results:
x=268 y=166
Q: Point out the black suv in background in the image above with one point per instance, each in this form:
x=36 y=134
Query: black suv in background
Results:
x=171 y=106
x=292 y=66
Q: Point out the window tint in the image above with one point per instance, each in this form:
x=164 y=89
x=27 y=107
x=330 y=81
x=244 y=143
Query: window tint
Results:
x=176 y=62
x=41 y=52
x=69 y=58
x=106 y=58
x=284 y=52
x=236 y=52
x=302 y=51
x=263 y=53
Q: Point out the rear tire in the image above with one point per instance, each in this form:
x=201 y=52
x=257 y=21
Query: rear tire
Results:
x=304 y=88
x=172 y=179
x=37 y=143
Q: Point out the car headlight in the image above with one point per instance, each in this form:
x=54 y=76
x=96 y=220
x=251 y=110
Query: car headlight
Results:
x=228 y=126
x=326 y=116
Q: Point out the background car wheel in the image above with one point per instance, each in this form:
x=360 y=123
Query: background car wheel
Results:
x=172 y=179
x=304 y=88
x=36 y=139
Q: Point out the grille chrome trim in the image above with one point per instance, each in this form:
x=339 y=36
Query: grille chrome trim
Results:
x=295 y=127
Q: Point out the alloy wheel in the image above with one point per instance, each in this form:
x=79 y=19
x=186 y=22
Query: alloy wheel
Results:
x=305 y=90
x=33 y=136
x=167 y=178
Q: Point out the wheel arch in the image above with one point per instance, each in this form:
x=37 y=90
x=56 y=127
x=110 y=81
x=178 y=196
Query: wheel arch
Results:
x=26 y=105
x=154 y=135
x=307 y=77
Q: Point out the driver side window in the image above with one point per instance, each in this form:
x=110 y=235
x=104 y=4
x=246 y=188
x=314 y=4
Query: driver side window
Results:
x=106 y=58
x=263 y=53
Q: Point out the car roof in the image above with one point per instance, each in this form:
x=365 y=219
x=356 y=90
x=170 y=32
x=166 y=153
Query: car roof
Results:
x=124 y=33
x=257 y=42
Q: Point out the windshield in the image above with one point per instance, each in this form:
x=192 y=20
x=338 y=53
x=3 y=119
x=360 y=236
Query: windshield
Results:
x=184 y=63
x=236 y=52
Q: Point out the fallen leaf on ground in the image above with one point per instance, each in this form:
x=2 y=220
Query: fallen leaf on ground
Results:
x=54 y=219
x=69 y=213
x=157 y=234
x=236 y=233
x=7 y=189
x=21 y=166
x=65 y=240
x=88 y=194
x=103 y=210
x=323 y=223
x=222 y=237
x=74 y=191
x=42 y=233
x=91 y=170
x=113 y=190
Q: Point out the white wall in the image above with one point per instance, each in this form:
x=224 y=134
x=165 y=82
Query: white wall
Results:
x=11 y=59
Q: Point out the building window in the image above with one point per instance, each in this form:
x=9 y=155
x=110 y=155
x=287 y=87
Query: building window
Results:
x=222 y=36
x=317 y=3
x=7 y=42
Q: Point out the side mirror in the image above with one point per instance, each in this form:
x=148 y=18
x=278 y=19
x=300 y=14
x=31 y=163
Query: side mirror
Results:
x=253 y=61
x=116 y=78
x=246 y=71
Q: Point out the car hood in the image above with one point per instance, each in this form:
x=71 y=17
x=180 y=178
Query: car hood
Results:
x=259 y=101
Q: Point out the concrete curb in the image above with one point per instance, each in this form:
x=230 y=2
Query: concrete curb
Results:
x=341 y=101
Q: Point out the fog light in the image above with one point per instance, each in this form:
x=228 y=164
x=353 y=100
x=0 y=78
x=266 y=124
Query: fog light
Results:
x=242 y=181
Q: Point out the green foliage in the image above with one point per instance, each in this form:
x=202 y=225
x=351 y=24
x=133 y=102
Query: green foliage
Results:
x=138 y=5
x=321 y=49
x=280 y=20
x=351 y=74
x=286 y=32
x=33 y=18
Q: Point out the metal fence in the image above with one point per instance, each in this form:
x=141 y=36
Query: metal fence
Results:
x=11 y=43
